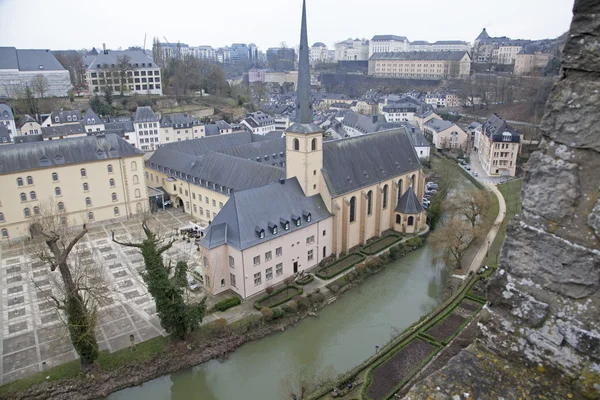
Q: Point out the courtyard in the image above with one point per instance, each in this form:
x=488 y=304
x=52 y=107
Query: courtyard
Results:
x=34 y=337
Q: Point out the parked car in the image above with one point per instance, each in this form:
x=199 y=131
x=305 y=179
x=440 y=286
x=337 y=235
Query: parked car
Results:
x=430 y=191
x=468 y=168
x=425 y=206
x=192 y=283
x=475 y=173
x=427 y=196
x=463 y=162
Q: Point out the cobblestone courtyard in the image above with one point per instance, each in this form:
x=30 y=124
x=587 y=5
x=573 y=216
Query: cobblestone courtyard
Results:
x=33 y=336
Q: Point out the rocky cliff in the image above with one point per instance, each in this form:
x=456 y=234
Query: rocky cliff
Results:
x=544 y=302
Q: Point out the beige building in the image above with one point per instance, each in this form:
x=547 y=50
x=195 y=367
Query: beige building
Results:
x=90 y=179
x=445 y=134
x=507 y=53
x=498 y=147
x=421 y=65
x=526 y=61
x=28 y=126
x=178 y=127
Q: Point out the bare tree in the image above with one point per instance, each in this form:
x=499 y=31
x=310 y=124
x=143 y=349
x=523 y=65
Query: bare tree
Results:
x=60 y=238
x=453 y=239
x=40 y=85
x=123 y=66
x=471 y=205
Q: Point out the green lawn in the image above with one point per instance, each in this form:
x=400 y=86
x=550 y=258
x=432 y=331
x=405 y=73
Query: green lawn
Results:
x=512 y=196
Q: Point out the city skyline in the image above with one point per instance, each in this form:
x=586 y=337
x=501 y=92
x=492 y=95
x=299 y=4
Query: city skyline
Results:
x=441 y=21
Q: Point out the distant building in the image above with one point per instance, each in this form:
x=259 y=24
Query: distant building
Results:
x=498 y=146
x=442 y=99
x=253 y=53
x=440 y=45
x=60 y=118
x=256 y=75
x=280 y=53
x=352 y=50
x=142 y=75
x=28 y=126
x=318 y=53
x=239 y=52
x=530 y=59
x=400 y=112
x=7 y=119
x=5 y=137
x=388 y=44
x=496 y=50
x=445 y=135
x=178 y=127
x=19 y=68
x=259 y=123
x=421 y=65
x=146 y=127
x=92 y=122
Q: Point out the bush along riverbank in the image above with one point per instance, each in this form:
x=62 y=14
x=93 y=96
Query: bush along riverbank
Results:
x=161 y=356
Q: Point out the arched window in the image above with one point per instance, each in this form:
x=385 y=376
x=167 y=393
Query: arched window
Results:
x=111 y=182
x=222 y=282
x=109 y=168
x=133 y=166
x=19 y=181
x=1 y=217
x=313 y=144
x=86 y=187
x=23 y=197
x=296 y=144
x=54 y=177
x=27 y=212
x=57 y=191
x=370 y=202
x=140 y=208
x=398 y=218
x=29 y=180
x=4 y=233
x=116 y=210
x=88 y=201
x=138 y=194
x=83 y=173
x=413 y=179
x=32 y=195
x=352 y=209
x=385 y=196
x=136 y=180
x=411 y=221
x=114 y=197
x=61 y=206
x=400 y=187
x=91 y=216
x=36 y=210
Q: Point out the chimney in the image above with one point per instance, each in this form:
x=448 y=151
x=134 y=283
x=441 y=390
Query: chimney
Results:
x=282 y=181
x=375 y=118
x=104 y=48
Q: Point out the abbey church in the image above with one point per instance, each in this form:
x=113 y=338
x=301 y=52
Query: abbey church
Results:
x=285 y=203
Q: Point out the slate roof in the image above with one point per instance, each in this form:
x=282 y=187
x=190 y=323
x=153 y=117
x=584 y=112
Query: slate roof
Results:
x=63 y=116
x=365 y=124
x=259 y=118
x=420 y=42
x=6 y=113
x=200 y=146
x=319 y=44
x=136 y=57
x=352 y=163
x=389 y=37
x=497 y=129
x=145 y=114
x=28 y=138
x=28 y=60
x=93 y=118
x=50 y=153
x=483 y=35
x=63 y=130
x=415 y=135
x=438 y=125
x=211 y=130
x=420 y=55
x=408 y=203
x=119 y=128
x=4 y=135
x=222 y=124
x=400 y=107
x=25 y=119
x=267 y=151
x=250 y=210
x=450 y=42
x=181 y=120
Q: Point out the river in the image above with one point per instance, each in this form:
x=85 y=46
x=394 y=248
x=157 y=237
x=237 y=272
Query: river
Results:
x=343 y=335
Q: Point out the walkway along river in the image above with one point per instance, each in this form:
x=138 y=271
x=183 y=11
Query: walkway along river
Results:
x=343 y=335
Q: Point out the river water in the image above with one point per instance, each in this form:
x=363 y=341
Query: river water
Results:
x=343 y=335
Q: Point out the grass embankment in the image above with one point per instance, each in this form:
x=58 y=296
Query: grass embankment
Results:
x=511 y=191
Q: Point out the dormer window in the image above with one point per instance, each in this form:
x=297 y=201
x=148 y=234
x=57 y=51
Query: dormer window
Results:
x=56 y=119
x=297 y=220
x=307 y=215
x=69 y=118
x=260 y=232
x=285 y=223
x=273 y=228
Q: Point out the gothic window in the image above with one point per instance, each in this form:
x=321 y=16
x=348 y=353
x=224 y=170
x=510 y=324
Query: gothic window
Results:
x=353 y=209
x=385 y=196
x=370 y=202
x=296 y=144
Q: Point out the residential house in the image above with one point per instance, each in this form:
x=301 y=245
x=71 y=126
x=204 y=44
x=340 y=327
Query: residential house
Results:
x=7 y=119
x=81 y=180
x=400 y=112
x=498 y=146
x=421 y=65
x=445 y=135
x=28 y=126
x=529 y=59
x=92 y=122
x=20 y=68
x=63 y=131
x=65 y=117
x=259 y=123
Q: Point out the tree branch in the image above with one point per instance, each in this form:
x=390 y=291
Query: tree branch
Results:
x=138 y=246
x=76 y=239
x=166 y=247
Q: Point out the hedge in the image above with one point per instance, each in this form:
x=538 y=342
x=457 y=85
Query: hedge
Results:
x=226 y=304
x=379 y=244
x=305 y=280
x=322 y=272
x=298 y=291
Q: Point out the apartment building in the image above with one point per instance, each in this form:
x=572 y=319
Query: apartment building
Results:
x=259 y=123
x=400 y=112
x=352 y=50
x=178 y=127
x=498 y=146
x=28 y=126
x=388 y=44
x=147 y=132
x=421 y=65
x=130 y=70
x=60 y=118
x=82 y=180
x=530 y=59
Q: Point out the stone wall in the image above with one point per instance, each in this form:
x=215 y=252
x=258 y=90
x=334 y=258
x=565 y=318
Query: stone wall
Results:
x=59 y=82
x=545 y=299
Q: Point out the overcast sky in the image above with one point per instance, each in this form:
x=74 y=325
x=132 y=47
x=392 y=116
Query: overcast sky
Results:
x=78 y=24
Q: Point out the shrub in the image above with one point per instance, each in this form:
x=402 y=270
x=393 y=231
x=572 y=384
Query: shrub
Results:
x=334 y=288
x=317 y=298
x=290 y=307
x=360 y=269
x=269 y=289
x=302 y=302
x=220 y=325
x=395 y=252
x=267 y=313
x=226 y=304
x=277 y=312
x=373 y=263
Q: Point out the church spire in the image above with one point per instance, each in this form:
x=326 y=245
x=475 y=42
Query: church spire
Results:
x=304 y=112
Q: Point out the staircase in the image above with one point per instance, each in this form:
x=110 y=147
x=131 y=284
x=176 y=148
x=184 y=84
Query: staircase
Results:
x=329 y=296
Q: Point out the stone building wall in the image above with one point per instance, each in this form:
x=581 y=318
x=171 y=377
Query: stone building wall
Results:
x=545 y=298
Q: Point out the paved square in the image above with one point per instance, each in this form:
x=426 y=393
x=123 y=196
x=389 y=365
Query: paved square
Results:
x=33 y=332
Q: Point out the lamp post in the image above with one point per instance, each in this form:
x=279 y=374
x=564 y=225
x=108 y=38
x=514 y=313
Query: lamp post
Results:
x=487 y=253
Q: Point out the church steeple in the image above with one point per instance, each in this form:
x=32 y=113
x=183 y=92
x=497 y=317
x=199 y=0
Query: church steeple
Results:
x=304 y=112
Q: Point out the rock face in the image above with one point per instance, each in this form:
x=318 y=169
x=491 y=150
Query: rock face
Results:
x=545 y=300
